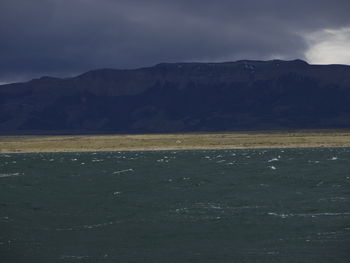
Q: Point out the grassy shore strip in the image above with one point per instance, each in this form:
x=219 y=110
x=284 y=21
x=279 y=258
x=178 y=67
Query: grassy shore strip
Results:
x=232 y=140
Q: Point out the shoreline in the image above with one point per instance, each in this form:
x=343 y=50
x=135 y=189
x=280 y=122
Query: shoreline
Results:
x=174 y=142
x=172 y=149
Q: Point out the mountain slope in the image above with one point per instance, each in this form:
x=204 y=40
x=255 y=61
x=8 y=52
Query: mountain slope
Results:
x=181 y=97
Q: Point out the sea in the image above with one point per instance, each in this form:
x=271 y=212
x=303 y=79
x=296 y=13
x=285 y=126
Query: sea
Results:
x=251 y=205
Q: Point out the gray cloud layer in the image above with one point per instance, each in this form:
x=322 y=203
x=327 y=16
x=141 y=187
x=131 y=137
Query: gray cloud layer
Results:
x=65 y=37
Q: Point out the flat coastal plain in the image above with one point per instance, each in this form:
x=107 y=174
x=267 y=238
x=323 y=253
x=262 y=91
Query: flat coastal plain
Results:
x=229 y=140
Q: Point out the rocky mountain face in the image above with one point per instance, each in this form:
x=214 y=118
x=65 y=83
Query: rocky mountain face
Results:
x=182 y=97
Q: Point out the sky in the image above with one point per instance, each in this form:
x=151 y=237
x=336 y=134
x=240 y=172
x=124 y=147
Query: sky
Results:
x=64 y=38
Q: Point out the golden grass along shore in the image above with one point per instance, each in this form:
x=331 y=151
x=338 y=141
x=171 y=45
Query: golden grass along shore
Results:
x=229 y=140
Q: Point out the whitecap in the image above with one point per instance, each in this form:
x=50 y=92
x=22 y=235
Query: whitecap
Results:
x=339 y=198
x=123 y=171
x=72 y=257
x=313 y=161
x=273 y=160
x=97 y=160
x=10 y=175
x=92 y=226
x=272 y=167
x=318 y=184
x=272 y=253
x=210 y=205
x=283 y=215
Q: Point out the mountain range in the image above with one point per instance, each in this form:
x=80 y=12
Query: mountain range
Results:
x=182 y=97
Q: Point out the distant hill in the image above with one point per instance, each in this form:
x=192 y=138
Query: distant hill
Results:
x=182 y=97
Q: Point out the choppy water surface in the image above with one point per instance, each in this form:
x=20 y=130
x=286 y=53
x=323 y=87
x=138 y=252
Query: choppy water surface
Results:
x=185 y=206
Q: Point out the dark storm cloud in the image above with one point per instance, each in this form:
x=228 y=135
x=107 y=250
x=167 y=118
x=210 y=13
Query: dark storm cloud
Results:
x=65 y=37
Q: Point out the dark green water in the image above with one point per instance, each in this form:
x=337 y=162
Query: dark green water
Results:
x=185 y=206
